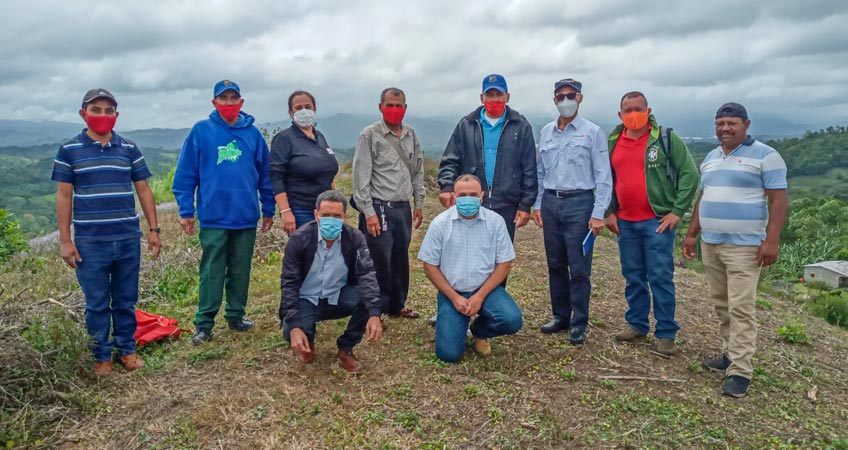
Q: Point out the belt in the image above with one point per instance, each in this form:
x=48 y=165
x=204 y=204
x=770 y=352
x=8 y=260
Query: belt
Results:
x=567 y=192
x=397 y=204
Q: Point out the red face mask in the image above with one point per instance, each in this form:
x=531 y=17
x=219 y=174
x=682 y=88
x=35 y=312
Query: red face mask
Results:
x=494 y=109
x=228 y=112
x=635 y=120
x=393 y=115
x=101 y=125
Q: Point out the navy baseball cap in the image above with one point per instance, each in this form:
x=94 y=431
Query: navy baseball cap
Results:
x=570 y=82
x=494 y=81
x=225 y=85
x=732 y=110
x=94 y=94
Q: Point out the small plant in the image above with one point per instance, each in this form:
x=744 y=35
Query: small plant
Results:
x=764 y=304
x=793 y=334
x=567 y=374
x=207 y=355
x=12 y=239
x=336 y=397
x=695 y=367
x=609 y=384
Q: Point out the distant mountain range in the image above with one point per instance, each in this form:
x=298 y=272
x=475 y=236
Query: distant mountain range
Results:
x=342 y=131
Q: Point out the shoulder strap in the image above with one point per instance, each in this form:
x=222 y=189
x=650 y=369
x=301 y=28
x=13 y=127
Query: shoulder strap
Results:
x=401 y=153
x=665 y=143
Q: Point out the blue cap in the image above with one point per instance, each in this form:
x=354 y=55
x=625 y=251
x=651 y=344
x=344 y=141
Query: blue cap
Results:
x=570 y=82
x=225 y=85
x=494 y=81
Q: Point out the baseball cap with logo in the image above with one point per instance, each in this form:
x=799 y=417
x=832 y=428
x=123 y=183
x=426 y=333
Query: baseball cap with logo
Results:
x=94 y=94
x=570 y=82
x=494 y=81
x=225 y=85
x=732 y=109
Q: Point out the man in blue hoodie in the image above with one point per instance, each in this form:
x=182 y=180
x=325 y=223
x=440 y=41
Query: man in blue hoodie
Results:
x=223 y=163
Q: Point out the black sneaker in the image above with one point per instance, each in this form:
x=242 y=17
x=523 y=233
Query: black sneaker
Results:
x=735 y=386
x=240 y=324
x=201 y=336
x=719 y=364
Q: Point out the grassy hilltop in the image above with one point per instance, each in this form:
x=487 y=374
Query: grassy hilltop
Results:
x=535 y=391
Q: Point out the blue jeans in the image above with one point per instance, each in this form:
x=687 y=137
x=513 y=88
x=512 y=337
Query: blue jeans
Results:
x=647 y=261
x=498 y=316
x=566 y=222
x=108 y=276
x=302 y=216
x=349 y=304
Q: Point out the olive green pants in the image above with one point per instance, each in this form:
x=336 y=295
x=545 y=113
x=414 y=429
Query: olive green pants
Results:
x=225 y=264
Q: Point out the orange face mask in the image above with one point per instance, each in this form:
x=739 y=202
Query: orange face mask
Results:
x=635 y=120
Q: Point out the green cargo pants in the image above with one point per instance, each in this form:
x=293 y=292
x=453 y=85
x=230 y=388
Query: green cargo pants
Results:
x=227 y=255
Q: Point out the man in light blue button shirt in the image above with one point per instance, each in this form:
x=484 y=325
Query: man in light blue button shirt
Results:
x=467 y=253
x=575 y=187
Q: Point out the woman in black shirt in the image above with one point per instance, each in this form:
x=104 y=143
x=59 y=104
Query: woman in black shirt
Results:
x=302 y=164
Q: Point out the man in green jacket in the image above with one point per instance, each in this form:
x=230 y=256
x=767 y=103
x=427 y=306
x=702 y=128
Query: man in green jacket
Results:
x=655 y=181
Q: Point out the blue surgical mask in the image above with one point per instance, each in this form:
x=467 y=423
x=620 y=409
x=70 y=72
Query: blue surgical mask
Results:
x=330 y=227
x=468 y=206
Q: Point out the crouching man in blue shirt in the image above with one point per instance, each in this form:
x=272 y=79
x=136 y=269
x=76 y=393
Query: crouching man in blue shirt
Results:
x=467 y=253
x=328 y=275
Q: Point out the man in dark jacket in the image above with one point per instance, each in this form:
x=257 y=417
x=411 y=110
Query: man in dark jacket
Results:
x=494 y=143
x=327 y=275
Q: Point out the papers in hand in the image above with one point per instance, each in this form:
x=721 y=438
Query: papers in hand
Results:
x=588 y=242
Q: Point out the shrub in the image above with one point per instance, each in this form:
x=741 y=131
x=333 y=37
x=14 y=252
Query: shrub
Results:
x=832 y=307
x=12 y=238
x=793 y=334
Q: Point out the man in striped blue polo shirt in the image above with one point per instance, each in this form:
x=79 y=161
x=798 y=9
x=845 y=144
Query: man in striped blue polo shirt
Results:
x=739 y=213
x=96 y=172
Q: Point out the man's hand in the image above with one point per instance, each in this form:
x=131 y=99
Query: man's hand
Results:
x=537 y=217
x=767 y=253
x=668 y=222
x=475 y=302
x=267 y=223
x=596 y=225
x=287 y=219
x=688 y=248
x=521 y=219
x=299 y=341
x=70 y=254
x=417 y=217
x=461 y=304
x=611 y=222
x=372 y=223
x=187 y=225
x=154 y=244
x=446 y=199
x=374 y=329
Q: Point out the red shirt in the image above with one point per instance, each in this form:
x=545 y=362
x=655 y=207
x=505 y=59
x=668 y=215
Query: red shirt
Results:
x=628 y=162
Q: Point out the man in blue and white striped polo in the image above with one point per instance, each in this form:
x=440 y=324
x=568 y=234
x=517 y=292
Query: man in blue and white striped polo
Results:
x=740 y=212
x=96 y=172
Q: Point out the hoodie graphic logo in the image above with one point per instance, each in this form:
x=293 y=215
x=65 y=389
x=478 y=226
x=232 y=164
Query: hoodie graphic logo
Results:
x=229 y=152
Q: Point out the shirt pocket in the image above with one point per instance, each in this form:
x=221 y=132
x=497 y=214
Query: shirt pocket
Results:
x=550 y=154
x=579 y=152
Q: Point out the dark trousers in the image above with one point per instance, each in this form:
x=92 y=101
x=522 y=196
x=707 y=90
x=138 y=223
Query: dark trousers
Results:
x=566 y=222
x=224 y=265
x=508 y=213
x=108 y=276
x=390 y=253
x=349 y=305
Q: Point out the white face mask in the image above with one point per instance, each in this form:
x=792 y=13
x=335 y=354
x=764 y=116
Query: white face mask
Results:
x=567 y=108
x=304 y=118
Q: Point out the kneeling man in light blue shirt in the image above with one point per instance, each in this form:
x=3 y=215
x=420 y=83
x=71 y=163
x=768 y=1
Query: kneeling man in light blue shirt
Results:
x=467 y=253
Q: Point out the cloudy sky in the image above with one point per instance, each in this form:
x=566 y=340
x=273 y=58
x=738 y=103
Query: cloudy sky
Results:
x=786 y=60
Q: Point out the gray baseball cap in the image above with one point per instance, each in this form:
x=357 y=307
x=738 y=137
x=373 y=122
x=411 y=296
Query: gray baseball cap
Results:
x=732 y=110
x=94 y=94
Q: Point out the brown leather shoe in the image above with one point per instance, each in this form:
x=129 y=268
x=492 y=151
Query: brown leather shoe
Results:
x=482 y=346
x=408 y=313
x=349 y=362
x=132 y=362
x=103 y=368
x=306 y=358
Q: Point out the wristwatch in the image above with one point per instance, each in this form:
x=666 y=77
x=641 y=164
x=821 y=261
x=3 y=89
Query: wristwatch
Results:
x=155 y=230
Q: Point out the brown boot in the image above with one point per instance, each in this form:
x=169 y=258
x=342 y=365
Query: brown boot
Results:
x=666 y=346
x=349 y=362
x=482 y=346
x=305 y=358
x=628 y=334
x=132 y=362
x=103 y=368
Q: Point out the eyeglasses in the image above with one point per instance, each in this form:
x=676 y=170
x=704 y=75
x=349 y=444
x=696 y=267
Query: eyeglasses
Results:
x=571 y=96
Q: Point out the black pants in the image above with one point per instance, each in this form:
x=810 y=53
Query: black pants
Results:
x=566 y=223
x=390 y=252
x=508 y=213
x=349 y=305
